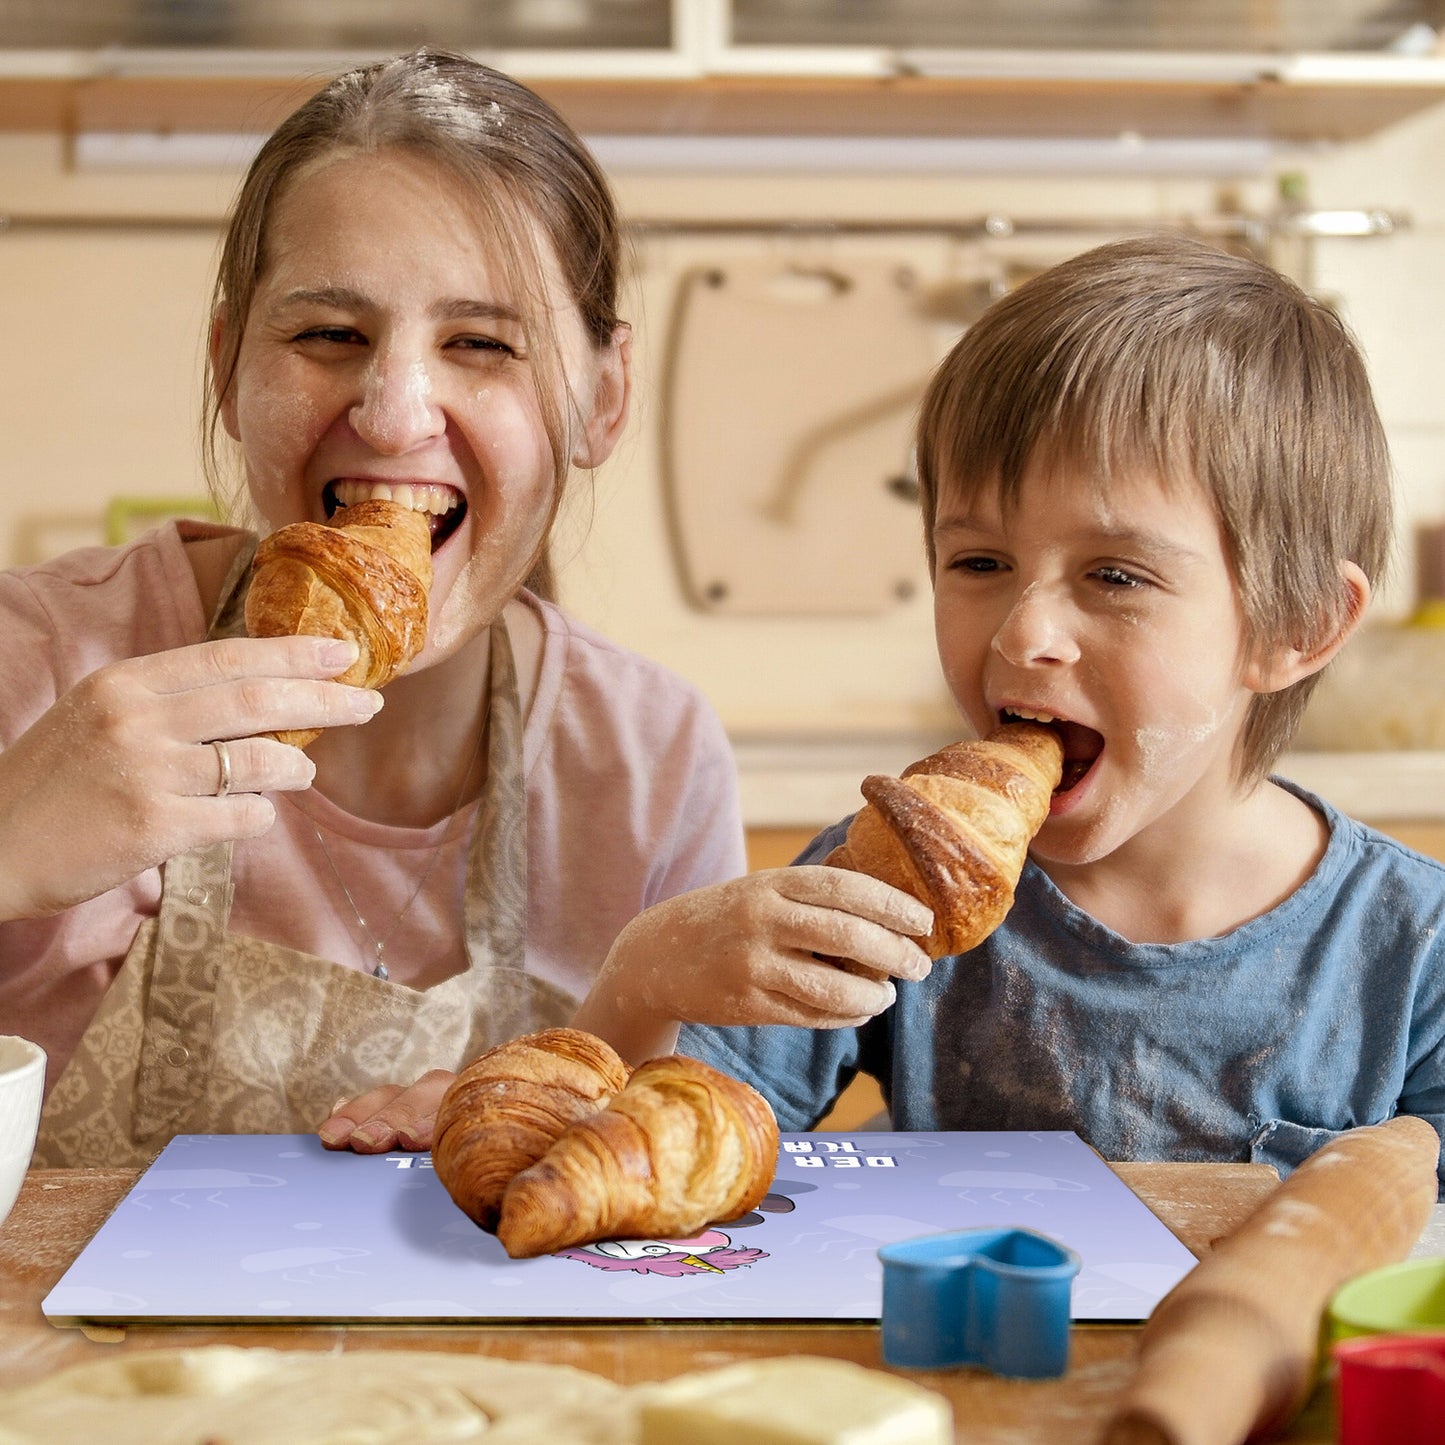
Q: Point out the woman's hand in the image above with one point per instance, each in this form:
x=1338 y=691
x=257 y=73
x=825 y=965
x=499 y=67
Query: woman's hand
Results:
x=120 y=774
x=812 y=946
x=395 y=1116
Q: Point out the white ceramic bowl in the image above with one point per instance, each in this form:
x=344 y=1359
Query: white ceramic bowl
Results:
x=22 y=1082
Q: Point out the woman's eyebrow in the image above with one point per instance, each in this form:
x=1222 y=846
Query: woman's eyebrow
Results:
x=340 y=298
x=451 y=308
x=463 y=308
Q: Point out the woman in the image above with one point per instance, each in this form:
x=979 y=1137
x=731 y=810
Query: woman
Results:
x=210 y=930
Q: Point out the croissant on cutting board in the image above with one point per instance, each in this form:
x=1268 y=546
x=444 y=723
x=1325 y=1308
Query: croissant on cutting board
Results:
x=955 y=829
x=364 y=575
x=510 y=1105
x=675 y=1147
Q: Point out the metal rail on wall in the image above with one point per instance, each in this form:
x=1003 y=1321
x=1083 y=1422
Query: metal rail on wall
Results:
x=1255 y=229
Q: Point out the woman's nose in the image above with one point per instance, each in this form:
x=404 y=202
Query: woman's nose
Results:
x=396 y=410
x=1036 y=630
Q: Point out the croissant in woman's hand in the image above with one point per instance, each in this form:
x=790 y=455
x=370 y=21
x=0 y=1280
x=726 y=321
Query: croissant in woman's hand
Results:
x=955 y=829
x=365 y=575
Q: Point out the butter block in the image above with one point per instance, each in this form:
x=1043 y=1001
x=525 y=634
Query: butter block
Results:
x=793 y=1400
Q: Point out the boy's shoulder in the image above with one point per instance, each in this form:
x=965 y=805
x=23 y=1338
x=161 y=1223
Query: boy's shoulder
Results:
x=1358 y=852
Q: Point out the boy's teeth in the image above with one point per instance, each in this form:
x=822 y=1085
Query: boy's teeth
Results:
x=422 y=497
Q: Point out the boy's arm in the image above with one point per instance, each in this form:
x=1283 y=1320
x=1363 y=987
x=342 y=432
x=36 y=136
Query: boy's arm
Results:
x=801 y=1072
x=810 y=946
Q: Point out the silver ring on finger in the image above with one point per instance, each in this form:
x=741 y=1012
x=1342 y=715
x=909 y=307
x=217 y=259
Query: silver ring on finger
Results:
x=223 y=758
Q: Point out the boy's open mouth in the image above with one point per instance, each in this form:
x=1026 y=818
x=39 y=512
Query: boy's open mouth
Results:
x=1082 y=745
x=444 y=506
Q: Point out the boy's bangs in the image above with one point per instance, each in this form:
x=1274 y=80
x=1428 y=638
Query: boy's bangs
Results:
x=1096 y=422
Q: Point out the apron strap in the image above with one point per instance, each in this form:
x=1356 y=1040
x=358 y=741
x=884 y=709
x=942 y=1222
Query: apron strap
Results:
x=176 y=1045
x=195 y=907
x=496 y=891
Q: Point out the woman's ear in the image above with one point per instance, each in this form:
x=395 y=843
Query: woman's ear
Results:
x=611 y=396
x=214 y=349
x=1277 y=668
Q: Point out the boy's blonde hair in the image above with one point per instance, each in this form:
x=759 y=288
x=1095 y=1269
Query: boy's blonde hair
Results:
x=1166 y=357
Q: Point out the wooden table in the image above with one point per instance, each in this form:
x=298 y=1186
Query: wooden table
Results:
x=59 y=1210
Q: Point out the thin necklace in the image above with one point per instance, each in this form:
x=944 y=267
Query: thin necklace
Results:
x=379 y=944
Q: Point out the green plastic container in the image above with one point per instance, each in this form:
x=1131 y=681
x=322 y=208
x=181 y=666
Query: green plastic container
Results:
x=1400 y=1299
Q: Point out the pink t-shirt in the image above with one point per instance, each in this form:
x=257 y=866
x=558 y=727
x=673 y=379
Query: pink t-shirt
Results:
x=631 y=798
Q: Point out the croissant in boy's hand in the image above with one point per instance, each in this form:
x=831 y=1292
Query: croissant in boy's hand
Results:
x=364 y=575
x=549 y=1141
x=955 y=829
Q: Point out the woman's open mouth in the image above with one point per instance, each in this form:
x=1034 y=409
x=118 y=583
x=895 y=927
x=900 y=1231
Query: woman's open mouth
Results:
x=1082 y=745
x=444 y=506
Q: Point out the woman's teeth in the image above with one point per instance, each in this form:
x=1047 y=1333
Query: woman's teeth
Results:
x=1022 y=714
x=418 y=497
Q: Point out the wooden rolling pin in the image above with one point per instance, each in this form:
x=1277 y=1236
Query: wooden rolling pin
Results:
x=1230 y=1352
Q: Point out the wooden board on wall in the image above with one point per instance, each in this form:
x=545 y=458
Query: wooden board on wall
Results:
x=790 y=395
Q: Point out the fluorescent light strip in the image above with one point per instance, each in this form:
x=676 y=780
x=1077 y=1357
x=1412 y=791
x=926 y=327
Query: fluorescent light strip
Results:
x=957 y=155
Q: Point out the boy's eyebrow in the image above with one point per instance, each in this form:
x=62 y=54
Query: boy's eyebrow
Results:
x=451 y=308
x=1155 y=544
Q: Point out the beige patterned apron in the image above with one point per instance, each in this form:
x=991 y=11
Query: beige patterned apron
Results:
x=205 y=1031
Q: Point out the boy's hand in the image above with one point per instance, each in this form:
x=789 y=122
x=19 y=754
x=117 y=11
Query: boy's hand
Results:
x=812 y=946
x=395 y=1116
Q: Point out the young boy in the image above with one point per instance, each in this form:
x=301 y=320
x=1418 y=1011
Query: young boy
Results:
x=1156 y=496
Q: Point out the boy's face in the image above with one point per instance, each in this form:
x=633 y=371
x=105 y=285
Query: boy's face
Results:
x=1113 y=609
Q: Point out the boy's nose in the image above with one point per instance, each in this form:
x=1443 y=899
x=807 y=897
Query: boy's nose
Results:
x=1036 y=631
x=396 y=410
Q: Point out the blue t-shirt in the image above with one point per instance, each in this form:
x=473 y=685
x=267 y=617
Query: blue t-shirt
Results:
x=1326 y=1013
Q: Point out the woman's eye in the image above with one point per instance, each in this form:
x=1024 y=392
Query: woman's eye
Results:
x=339 y=335
x=486 y=344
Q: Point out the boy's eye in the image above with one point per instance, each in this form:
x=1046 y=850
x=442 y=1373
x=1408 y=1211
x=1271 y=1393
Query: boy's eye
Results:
x=975 y=564
x=1118 y=577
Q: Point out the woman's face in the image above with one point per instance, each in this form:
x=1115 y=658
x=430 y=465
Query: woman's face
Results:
x=385 y=356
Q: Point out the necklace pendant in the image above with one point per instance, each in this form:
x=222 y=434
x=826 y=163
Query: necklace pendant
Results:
x=380 y=971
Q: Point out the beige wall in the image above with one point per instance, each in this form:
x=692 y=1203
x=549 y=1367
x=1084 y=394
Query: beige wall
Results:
x=101 y=345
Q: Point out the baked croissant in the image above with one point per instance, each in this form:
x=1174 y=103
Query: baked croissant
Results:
x=955 y=829
x=364 y=575
x=681 y=1147
x=510 y=1105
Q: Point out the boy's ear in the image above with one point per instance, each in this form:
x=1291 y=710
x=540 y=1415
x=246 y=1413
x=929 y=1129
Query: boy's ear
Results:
x=1277 y=668
x=611 y=396
x=228 y=402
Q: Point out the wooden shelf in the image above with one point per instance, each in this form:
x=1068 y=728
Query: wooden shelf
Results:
x=1280 y=109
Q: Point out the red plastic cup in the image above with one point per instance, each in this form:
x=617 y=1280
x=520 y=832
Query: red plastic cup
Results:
x=1390 y=1389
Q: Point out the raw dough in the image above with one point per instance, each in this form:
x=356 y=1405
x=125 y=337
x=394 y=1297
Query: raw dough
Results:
x=226 y=1395
x=793 y=1400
